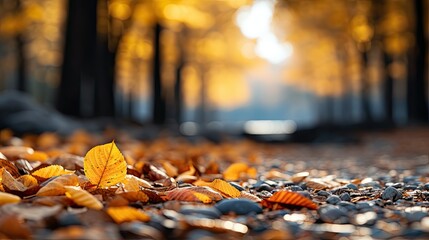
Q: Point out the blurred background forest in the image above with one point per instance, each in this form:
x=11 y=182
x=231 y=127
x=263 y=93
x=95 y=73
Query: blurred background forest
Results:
x=218 y=63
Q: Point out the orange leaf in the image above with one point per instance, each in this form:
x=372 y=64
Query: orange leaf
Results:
x=170 y=169
x=288 y=199
x=83 y=198
x=51 y=171
x=28 y=181
x=134 y=184
x=233 y=172
x=35 y=156
x=13 y=170
x=212 y=194
x=127 y=214
x=225 y=188
x=135 y=196
x=188 y=195
x=56 y=186
x=8 y=198
x=105 y=165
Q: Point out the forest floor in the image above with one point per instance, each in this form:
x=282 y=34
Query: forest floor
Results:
x=375 y=188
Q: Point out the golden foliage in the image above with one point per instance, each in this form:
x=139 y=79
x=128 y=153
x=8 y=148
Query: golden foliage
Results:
x=105 y=165
x=127 y=214
x=133 y=184
x=56 y=186
x=225 y=188
x=51 y=171
x=236 y=170
x=35 y=156
x=83 y=198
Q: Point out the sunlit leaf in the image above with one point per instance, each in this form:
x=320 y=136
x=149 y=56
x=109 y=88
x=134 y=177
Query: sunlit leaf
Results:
x=212 y=194
x=288 y=199
x=127 y=214
x=51 y=171
x=153 y=173
x=225 y=188
x=8 y=198
x=28 y=181
x=237 y=170
x=56 y=186
x=105 y=165
x=133 y=184
x=83 y=198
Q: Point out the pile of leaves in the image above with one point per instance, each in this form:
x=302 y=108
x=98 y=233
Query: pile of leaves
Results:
x=39 y=188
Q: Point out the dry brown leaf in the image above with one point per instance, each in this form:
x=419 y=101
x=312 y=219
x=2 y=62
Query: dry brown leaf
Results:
x=316 y=184
x=127 y=214
x=56 y=186
x=135 y=196
x=105 y=165
x=83 y=198
x=249 y=196
x=299 y=177
x=50 y=171
x=10 y=183
x=134 y=184
x=8 y=198
x=188 y=195
x=12 y=169
x=288 y=199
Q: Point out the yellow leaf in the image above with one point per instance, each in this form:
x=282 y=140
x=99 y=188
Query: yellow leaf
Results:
x=105 y=165
x=28 y=181
x=225 y=188
x=202 y=197
x=8 y=198
x=127 y=214
x=201 y=183
x=83 y=198
x=56 y=186
x=51 y=171
x=234 y=171
x=133 y=183
x=170 y=169
x=135 y=196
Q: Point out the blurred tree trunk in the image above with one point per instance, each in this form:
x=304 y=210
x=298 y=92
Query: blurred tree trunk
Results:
x=20 y=56
x=76 y=87
x=417 y=104
x=388 y=89
x=159 y=103
x=365 y=90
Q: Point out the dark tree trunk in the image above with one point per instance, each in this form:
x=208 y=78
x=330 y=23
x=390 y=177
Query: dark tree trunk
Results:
x=365 y=90
x=75 y=93
x=417 y=104
x=388 y=90
x=159 y=103
x=21 y=63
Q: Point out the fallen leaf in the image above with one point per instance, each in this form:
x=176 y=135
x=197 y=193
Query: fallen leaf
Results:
x=188 y=195
x=8 y=198
x=83 y=198
x=133 y=184
x=10 y=183
x=135 y=196
x=105 y=165
x=28 y=181
x=171 y=170
x=299 y=177
x=288 y=199
x=249 y=196
x=12 y=169
x=234 y=171
x=127 y=214
x=56 y=186
x=35 y=156
x=50 y=171
x=13 y=152
x=225 y=188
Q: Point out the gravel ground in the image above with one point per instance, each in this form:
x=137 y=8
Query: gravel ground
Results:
x=377 y=188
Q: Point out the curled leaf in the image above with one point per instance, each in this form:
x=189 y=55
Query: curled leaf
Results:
x=105 y=165
x=171 y=170
x=13 y=170
x=28 y=181
x=127 y=214
x=288 y=199
x=83 y=198
x=8 y=198
x=56 y=186
x=134 y=184
x=51 y=171
x=11 y=184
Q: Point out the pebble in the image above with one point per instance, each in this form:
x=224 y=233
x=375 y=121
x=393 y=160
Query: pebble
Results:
x=305 y=194
x=333 y=199
x=410 y=187
x=237 y=186
x=208 y=212
x=333 y=214
x=296 y=188
x=264 y=187
x=345 y=197
x=68 y=219
x=238 y=206
x=323 y=193
x=391 y=193
x=362 y=205
x=426 y=186
x=415 y=216
x=347 y=205
x=352 y=186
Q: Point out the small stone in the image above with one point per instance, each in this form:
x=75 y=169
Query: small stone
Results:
x=296 y=188
x=264 y=187
x=333 y=214
x=237 y=186
x=347 y=205
x=398 y=185
x=345 y=197
x=391 y=193
x=426 y=186
x=305 y=194
x=333 y=199
x=352 y=186
x=362 y=205
x=208 y=212
x=410 y=187
x=238 y=206
x=323 y=193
